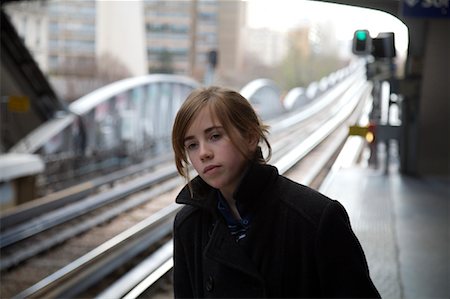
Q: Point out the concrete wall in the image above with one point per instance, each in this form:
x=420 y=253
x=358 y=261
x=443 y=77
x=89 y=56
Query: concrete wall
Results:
x=121 y=33
x=434 y=108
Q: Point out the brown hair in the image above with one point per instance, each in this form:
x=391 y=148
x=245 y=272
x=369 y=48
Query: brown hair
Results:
x=234 y=113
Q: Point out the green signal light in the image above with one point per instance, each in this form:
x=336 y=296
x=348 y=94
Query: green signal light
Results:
x=361 y=35
x=362 y=42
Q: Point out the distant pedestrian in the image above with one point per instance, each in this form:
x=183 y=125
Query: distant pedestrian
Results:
x=246 y=230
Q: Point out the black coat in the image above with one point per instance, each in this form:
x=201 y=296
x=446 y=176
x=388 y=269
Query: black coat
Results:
x=300 y=244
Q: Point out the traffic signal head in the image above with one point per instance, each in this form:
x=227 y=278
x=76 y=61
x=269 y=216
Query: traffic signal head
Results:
x=384 y=45
x=362 y=43
x=213 y=58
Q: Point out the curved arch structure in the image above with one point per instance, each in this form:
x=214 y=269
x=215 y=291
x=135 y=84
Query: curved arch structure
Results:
x=295 y=98
x=130 y=115
x=265 y=96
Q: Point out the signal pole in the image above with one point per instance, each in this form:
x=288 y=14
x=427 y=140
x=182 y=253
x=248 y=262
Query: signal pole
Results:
x=193 y=37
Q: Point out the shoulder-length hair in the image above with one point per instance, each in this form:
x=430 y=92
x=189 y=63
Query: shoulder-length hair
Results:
x=231 y=110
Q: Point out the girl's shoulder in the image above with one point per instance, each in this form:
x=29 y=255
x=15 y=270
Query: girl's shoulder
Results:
x=291 y=190
x=184 y=214
x=304 y=200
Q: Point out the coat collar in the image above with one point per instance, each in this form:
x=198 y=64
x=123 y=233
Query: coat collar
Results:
x=252 y=185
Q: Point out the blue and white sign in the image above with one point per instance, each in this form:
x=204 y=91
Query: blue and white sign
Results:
x=426 y=8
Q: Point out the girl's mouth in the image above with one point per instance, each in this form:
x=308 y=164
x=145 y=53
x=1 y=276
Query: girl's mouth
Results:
x=209 y=168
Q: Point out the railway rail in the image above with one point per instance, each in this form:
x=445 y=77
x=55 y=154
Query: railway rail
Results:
x=43 y=205
x=113 y=237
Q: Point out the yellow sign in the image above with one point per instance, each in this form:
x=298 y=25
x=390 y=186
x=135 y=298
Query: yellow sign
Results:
x=366 y=132
x=18 y=103
x=358 y=131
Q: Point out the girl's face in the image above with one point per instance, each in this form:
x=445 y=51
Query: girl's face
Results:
x=215 y=158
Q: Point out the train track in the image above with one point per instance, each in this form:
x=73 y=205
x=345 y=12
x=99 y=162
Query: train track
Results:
x=82 y=260
x=75 y=192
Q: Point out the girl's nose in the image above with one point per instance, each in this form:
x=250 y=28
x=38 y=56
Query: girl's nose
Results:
x=205 y=152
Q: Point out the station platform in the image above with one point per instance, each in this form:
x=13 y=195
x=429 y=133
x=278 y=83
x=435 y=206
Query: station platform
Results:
x=402 y=223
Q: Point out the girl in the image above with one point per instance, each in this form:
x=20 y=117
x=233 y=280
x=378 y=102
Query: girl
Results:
x=245 y=230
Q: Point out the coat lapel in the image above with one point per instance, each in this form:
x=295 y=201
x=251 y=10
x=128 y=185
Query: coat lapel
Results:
x=223 y=249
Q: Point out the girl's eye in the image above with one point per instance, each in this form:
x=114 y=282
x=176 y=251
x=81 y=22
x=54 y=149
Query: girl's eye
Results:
x=215 y=136
x=191 y=146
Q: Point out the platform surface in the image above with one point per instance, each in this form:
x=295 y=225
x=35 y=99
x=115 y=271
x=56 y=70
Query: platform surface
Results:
x=402 y=223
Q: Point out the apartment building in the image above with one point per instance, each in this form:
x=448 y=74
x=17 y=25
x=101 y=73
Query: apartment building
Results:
x=180 y=34
x=60 y=34
x=68 y=37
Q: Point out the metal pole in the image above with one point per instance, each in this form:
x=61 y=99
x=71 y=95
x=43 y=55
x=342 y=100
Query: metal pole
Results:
x=193 y=38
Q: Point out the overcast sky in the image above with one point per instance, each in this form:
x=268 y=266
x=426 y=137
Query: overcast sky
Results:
x=283 y=15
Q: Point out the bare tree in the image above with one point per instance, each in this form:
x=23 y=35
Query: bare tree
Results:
x=110 y=69
x=78 y=76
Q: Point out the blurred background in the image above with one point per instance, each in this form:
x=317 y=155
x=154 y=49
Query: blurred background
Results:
x=357 y=100
x=81 y=45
